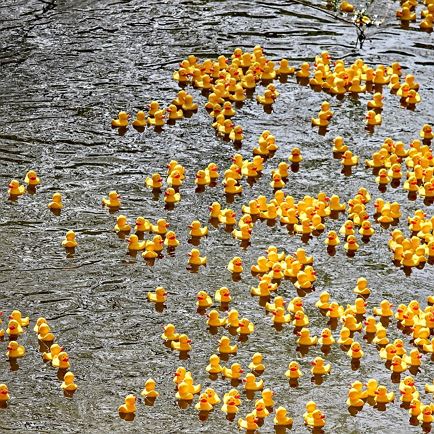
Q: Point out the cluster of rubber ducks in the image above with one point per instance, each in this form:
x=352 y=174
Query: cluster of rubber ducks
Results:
x=407 y=13
x=418 y=159
x=51 y=352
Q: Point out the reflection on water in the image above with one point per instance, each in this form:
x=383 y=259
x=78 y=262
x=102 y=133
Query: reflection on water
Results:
x=67 y=69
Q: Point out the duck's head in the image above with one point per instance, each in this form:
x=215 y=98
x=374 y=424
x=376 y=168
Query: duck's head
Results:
x=13 y=346
x=69 y=377
x=123 y=116
x=14 y=184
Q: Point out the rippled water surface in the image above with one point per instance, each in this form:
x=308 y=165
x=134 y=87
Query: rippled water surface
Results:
x=67 y=68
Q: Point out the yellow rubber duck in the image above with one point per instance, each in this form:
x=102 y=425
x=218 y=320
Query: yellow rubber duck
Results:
x=372 y=118
x=225 y=346
x=121 y=121
x=335 y=205
x=140 y=120
x=223 y=295
x=149 y=390
x=260 y=411
x=295 y=156
x=179 y=375
x=256 y=364
x=405 y=14
x=414 y=358
x=56 y=202
x=134 y=244
x=203 y=299
x=304 y=71
x=250 y=383
x=15 y=350
x=398 y=365
x=426 y=132
x=316 y=420
x=44 y=333
x=230 y=406
x=17 y=316
x=326 y=338
x=382 y=396
x=212 y=396
x=169 y=333
x=14 y=328
x=348 y=159
x=354 y=398
x=61 y=361
x=68 y=382
x=319 y=368
x=335 y=310
x=377 y=101
x=351 y=244
x=142 y=225
x=4 y=393
x=171 y=196
x=322 y=120
x=122 y=224
x=113 y=200
x=129 y=406
x=366 y=229
x=294 y=371
x=159 y=296
x=155 y=181
x=55 y=350
x=235 y=265
x=426 y=416
x=171 y=240
x=305 y=338
x=345 y=338
x=413 y=97
x=32 y=179
x=15 y=189
x=284 y=68
x=281 y=419
x=232 y=319
x=174 y=113
x=246 y=327
x=355 y=352
x=203 y=405
x=184 y=392
x=183 y=343
x=160 y=228
x=214 y=366
x=323 y=301
x=158 y=119
x=300 y=319
x=332 y=239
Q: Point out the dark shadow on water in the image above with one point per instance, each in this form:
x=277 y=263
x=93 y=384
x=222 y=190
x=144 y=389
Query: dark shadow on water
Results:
x=129 y=417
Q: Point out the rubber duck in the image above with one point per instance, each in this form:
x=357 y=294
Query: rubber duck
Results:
x=68 y=382
x=183 y=343
x=129 y=406
x=159 y=296
x=122 y=224
x=398 y=365
x=326 y=338
x=256 y=364
x=4 y=393
x=281 y=419
x=279 y=316
x=174 y=113
x=169 y=333
x=355 y=352
x=17 y=316
x=223 y=295
x=225 y=346
x=142 y=225
x=155 y=181
x=300 y=319
x=426 y=416
x=214 y=319
x=317 y=418
x=246 y=327
x=44 y=333
x=134 y=244
x=121 y=121
x=348 y=159
x=14 y=328
x=234 y=372
x=322 y=120
x=426 y=132
x=294 y=371
x=338 y=145
x=335 y=310
x=214 y=366
x=295 y=156
x=15 y=350
x=323 y=301
x=195 y=258
x=304 y=71
x=372 y=118
x=356 y=87
x=113 y=200
x=230 y=406
x=351 y=244
x=212 y=396
x=184 y=392
x=250 y=383
x=61 y=361
x=354 y=398
x=414 y=358
x=408 y=389
x=413 y=97
x=332 y=239
x=370 y=325
x=203 y=299
x=382 y=396
x=149 y=390
x=305 y=338
x=260 y=411
x=404 y=14
x=235 y=265
x=55 y=350
x=203 y=405
x=171 y=240
x=345 y=338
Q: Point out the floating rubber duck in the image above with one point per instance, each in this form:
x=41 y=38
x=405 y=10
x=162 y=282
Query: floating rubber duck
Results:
x=404 y=14
x=122 y=224
x=184 y=392
x=61 y=361
x=212 y=396
x=169 y=333
x=245 y=327
x=149 y=390
x=398 y=365
x=295 y=156
x=203 y=405
x=214 y=366
x=4 y=393
x=134 y=244
x=17 y=316
x=323 y=301
x=304 y=71
x=332 y=239
x=140 y=120
x=14 y=328
x=326 y=338
x=121 y=121
x=214 y=319
x=345 y=338
x=316 y=420
x=171 y=240
x=195 y=258
x=234 y=372
x=256 y=364
x=426 y=132
x=44 y=333
x=142 y=225
x=305 y=338
x=230 y=406
x=159 y=296
x=348 y=159
x=113 y=200
x=223 y=295
x=225 y=346
x=414 y=358
x=351 y=244
x=382 y=396
x=129 y=406
x=68 y=382
x=15 y=189
x=235 y=265
x=183 y=343
x=15 y=350
x=55 y=350
x=426 y=416
x=250 y=383
x=155 y=181
x=355 y=352
x=294 y=371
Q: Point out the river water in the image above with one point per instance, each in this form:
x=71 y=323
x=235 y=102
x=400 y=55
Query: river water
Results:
x=68 y=68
